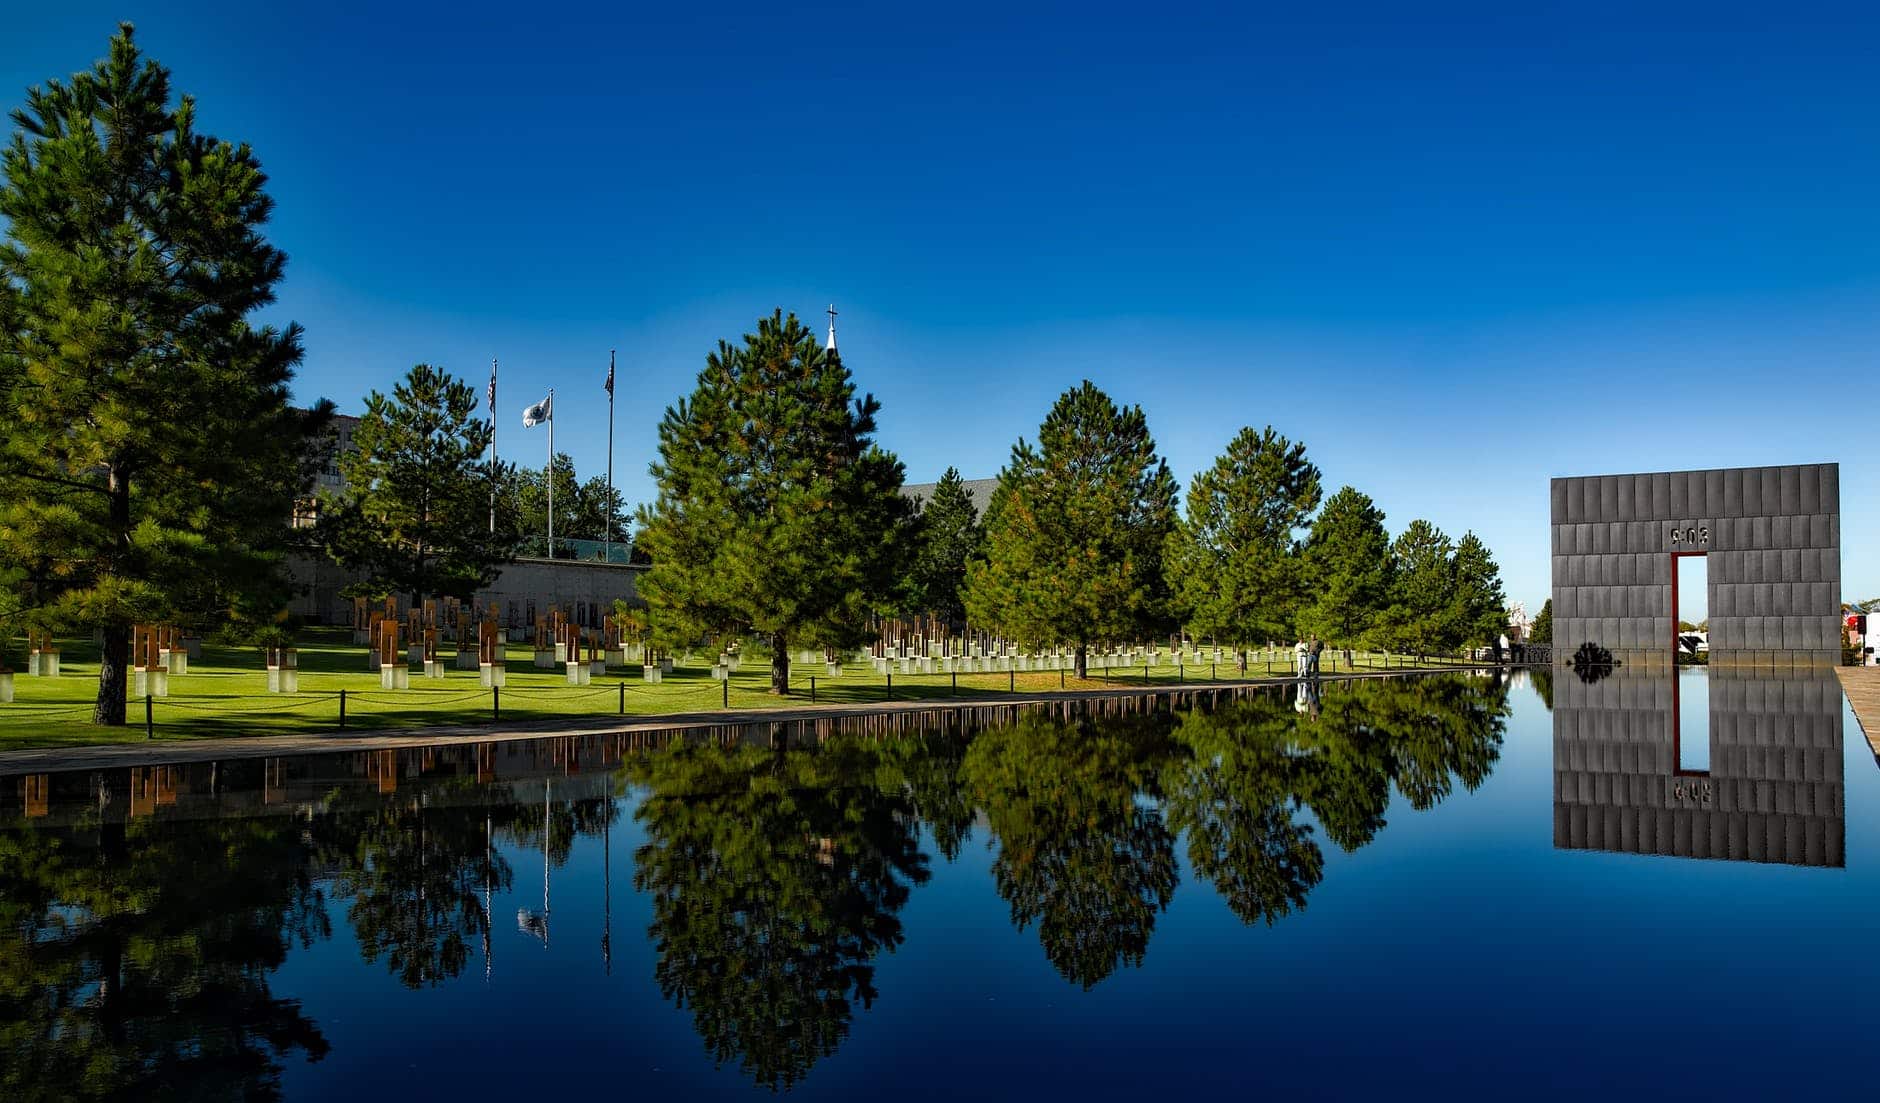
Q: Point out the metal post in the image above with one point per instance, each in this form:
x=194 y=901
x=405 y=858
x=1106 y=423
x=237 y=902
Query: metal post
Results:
x=1060 y=677
x=889 y=693
x=1011 y=681
x=496 y=702
x=623 y=698
x=956 y=683
x=607 y=537
x=342 y=710
x=492 y=447
x=150 y=723
x=1180 y=674
x=812 y=689
x=727 y=687
x=1145 y=674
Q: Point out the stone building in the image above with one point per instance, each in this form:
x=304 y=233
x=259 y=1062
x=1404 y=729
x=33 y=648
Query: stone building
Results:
x=1771 y=537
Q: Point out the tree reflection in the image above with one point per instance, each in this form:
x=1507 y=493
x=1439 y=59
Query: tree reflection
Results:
x=1233 y=796
x=1079 y=854
x=135 y=962
x=776 y=877
x=1252 y=765
x=414 y=870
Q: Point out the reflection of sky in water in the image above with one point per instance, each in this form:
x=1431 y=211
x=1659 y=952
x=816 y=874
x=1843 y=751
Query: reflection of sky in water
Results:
x=1457 y=952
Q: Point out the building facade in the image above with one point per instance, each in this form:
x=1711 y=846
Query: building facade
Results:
x=1771 y=537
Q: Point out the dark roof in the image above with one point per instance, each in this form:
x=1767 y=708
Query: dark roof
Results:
x=979 y=490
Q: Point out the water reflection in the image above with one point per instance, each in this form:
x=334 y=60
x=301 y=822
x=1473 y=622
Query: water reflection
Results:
x=135 y=959
x=776 y=877
x=1773 y=790
x=147 y=911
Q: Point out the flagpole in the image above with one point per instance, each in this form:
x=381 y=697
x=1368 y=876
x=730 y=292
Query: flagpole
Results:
x=551 y=472
x=607 y=537
x=492 y=446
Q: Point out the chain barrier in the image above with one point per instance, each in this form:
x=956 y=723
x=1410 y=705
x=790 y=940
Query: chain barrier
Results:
x=172 y=702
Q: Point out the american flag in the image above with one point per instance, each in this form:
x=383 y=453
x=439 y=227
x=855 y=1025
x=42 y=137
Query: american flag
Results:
x=492 y=388
x=610 y=373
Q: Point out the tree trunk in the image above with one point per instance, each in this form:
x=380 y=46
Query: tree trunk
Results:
x=1083 y=661
x=779 y=665
x=114 y=661
x=113 y=676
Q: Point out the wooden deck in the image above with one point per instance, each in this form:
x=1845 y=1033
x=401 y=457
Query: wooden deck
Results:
x=1862 y=685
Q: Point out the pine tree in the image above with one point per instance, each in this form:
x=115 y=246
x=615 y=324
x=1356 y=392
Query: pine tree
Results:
x=416 y=515
x=580 y=508
x=1542 y=630
x=151 y=460
x=777 y=513
x=1233 y=561
x=1075 y=531
x=1423 y=588
x=1348 y=569
x=950 y=536
x=1478 y=609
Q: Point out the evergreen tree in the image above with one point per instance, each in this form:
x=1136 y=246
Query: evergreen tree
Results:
x=151 y=460
x=1478 y=610
x=416 y=515
x=580 y=508
x=1348 y=563
x=1075 y=531
x=950 y=536
x=1233 y=561
x=777 y=513
x=1542 y=630
x=1422 y=590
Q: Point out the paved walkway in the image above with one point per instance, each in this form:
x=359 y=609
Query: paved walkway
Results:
x=1862 y=686
x=170 y=752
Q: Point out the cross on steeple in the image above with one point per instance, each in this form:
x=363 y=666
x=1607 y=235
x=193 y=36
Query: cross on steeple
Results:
x=832 y=327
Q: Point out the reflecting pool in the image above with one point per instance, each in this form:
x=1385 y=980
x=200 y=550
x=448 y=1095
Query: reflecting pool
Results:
x=1449 y=886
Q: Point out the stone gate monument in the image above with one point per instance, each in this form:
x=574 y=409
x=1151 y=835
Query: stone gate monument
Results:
x=1772 y=540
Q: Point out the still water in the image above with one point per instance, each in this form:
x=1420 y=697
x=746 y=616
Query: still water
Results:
x=1453 y=886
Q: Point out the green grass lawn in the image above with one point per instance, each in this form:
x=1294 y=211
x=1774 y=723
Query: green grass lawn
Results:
x=225 y=693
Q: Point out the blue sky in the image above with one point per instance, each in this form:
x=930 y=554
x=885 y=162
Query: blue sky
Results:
x=1457 y=250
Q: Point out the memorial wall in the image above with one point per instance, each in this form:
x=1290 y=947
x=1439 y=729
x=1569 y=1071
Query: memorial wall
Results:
x=1771 y=537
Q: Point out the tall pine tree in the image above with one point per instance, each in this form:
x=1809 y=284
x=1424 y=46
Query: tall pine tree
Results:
x=416 y=515
x=950 y=536
x=1422 y=589
x=1348 y=569
x=777 y=514
x=1478 y=609
x=151 y=461
x=1075 y=531
x=1542 y=630
x=1233 y=561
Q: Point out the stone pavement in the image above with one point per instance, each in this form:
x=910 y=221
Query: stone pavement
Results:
x=1862 y=686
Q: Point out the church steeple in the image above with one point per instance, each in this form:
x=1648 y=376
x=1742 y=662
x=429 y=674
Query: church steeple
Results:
x=832 y=327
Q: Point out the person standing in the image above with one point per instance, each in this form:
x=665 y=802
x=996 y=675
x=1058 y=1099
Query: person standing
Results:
x=1317 y=649
x=1300 y=657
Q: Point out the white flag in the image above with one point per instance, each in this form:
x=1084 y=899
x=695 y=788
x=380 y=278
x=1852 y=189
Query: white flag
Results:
x=540 y=412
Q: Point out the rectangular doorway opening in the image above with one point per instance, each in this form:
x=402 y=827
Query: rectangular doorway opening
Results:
x=1690 y=608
